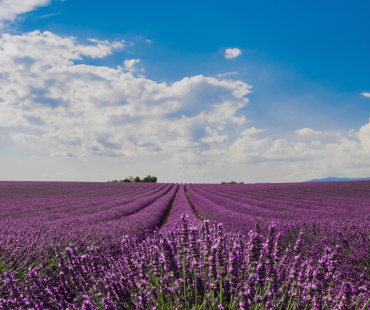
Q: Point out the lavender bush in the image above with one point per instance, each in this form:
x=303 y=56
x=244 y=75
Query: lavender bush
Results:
x=187 y=268
x=128 y=246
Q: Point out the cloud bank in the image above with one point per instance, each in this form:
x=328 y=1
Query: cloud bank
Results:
x=57 y=112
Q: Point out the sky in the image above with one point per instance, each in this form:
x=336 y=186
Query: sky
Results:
x=189 y=92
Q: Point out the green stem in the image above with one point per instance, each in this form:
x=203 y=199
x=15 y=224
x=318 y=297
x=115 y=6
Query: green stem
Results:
x=285 y=294
x=196 y=289
x=359 y=301
x=184 y=278
x=221 y=291
x=290 y=300
x=213 y=293
x=366 y=304
x=205 y=288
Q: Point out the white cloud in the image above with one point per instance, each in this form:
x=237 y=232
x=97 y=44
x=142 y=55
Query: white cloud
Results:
x=9 y=9
x=129 y=64
x=364 y=136
x=366 y=95
x=232 y=53
x=81 y=110
x=227 y=73
x=146 y=40
x=101 y=117
x=308 y=131
x=213 y=137
x=251 y=131
x=55 y=153
x=22 y=138
x=49 y=15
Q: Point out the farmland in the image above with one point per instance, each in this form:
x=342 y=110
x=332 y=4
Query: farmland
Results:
x=118 y=245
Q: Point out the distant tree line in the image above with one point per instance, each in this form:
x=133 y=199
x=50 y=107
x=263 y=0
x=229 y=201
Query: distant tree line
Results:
x=147 y=179
x=232 y=182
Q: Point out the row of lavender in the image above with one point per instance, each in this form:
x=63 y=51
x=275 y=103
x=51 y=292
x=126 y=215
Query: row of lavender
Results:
x=188 y=267
x=31 y=231
x=112 y=287
x=342 y=220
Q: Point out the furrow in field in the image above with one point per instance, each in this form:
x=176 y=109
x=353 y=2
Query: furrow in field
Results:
x=59 y=210
x=26 y=241
x=168 y=212
x=277 y=208
x=50 y=204
x=143 y=222
x=181 y=206
x=118 y=212
x=232 y=221
x=231 y=204
x=267 y=204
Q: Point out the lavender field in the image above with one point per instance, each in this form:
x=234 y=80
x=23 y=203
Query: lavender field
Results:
x=71 y=245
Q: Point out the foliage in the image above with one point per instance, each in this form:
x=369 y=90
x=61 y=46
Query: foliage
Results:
x=147 y=179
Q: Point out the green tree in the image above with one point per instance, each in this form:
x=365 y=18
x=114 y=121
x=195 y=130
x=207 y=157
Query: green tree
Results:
x=147 y=178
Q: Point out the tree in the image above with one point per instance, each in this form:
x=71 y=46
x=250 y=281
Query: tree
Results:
x=223 y=183
x=147 y=178
x=232 y=182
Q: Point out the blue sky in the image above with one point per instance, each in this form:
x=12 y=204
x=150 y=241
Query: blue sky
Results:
x=95 y=91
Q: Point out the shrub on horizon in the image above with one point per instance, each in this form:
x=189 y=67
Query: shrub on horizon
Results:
x=146 y=179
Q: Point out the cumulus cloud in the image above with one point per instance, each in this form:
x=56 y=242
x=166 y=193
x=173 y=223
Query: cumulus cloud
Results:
x=232 y=53
x=9 y=9
x=251 y=131
x=307 y=131
x=364 y=136
x=129 y=64
x=84 y=111
x=366 y=95
x=76 y=112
